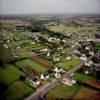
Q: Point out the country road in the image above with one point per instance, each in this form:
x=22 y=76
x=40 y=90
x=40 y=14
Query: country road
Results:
x=38 y=95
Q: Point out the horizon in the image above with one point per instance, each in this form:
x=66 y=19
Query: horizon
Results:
x=16 y=7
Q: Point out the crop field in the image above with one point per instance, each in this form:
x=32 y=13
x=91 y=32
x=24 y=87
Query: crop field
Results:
x=39 y=68
x=64 y=28
x=63 y=91
x=82 y=77
x=18 y=90
x=86 y=94
x=9 y=74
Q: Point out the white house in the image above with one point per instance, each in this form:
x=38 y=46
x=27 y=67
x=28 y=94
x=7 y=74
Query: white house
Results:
x=68 y=58
x=44 y=75
x=91 y=52
x=59 y=70
x=87 y=48
x=57 y=75
x=6 y=46
x=69 y=82
x=83 y=57
x=34 y=81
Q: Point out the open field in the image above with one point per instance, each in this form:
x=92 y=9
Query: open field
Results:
x=64 y=28
x=18 y=90
x=63 y=91
x=68 y=64
x=82 y=77
x=9 y=74
x=32 y=64
x=86 y=94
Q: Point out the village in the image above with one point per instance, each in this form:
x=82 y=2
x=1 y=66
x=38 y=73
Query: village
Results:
x=57 y=61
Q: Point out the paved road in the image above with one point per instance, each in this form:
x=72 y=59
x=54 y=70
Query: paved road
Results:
x=43 y=90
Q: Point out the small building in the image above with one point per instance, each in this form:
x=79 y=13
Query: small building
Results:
x=45 y=75
x=59 y=70
x=68 y=58
x=69 y=82
x=83 y=57
x=34 y=81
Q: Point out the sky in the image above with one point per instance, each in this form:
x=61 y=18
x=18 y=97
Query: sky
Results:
x=50 y=6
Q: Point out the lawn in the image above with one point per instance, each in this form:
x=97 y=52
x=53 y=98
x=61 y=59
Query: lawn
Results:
x=68 y=64
x=9 y=74
x=63 y=91
x=18 y=90
x=34 y=65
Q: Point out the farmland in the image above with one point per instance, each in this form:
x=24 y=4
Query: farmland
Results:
x=38 y=53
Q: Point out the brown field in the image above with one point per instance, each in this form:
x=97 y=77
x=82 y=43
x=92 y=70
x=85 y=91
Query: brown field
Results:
x=86 y=94
x=30 y=71
x=41 y=61
x=94 y=83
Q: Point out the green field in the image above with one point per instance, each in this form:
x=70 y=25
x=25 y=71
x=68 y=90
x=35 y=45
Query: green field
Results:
x=82 y=77
x=64 y=28
x=9 y=74
x=68 y=64
x=18 y=90
x=63 y=91
x=34 y=65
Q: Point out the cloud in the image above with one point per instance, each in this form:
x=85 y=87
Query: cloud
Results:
x=49 y=6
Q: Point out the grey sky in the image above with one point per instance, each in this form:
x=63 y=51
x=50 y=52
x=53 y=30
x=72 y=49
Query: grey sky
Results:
x=49 y=6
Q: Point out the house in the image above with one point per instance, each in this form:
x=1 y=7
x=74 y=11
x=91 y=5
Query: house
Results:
x=45 y=75
x=68 y=58
x=60 y=47
x=69 y=82
x=87 y=48
x=48 y=54
x=6 y=46
x=76 y=52
x=56 y=59
x=83 y=57
x=86 y=72
x=59 y=70
x=57 y=75
x=91 y=52
x=34 y=81
x=33 y=42
x=36 y=35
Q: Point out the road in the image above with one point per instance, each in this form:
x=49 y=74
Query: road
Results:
x=43 y=90
x=38 y=95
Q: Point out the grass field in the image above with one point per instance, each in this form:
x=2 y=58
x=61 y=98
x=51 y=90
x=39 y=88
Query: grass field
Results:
x=34 y=65
x=82 y=77
x=9 y=74
x=67 y=65
x=63 y=91
x=18 y=90
x=64 y=28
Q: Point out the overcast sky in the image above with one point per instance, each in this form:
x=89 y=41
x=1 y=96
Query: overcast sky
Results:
x=49 y=6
